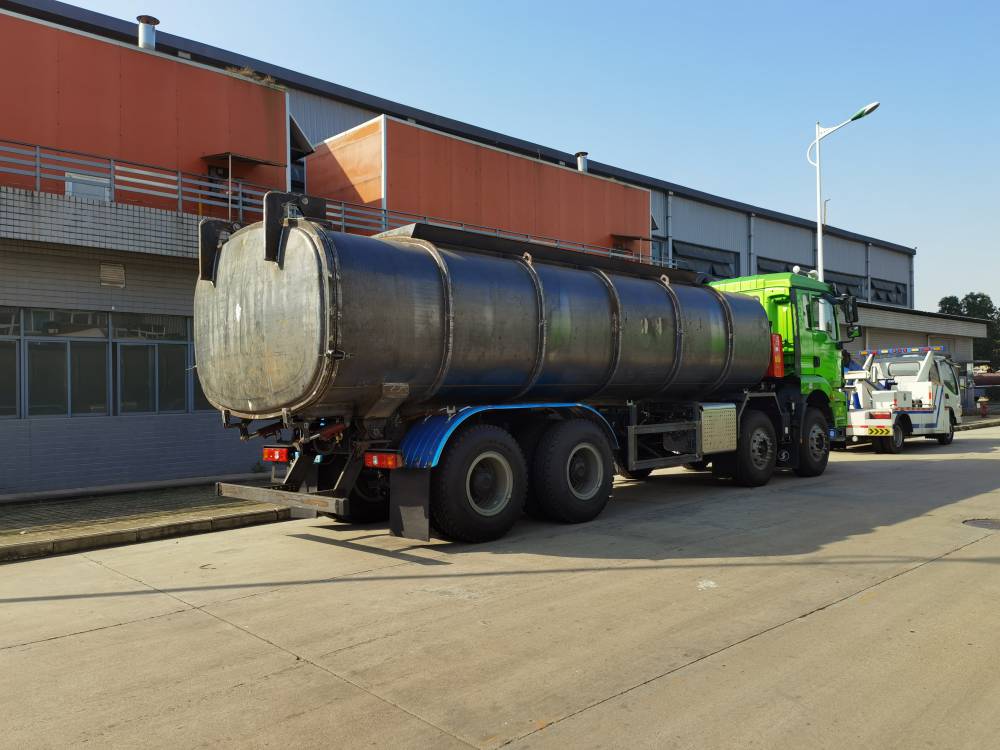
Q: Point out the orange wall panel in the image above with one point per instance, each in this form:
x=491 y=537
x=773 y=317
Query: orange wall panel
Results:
x=348 y=167
x=204 y=92
x=149 y=130
x=436 y=175
x=89 y=105
x=69 y=91
x=30 y=100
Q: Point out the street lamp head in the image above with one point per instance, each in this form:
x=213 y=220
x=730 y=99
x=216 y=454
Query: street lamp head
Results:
x=865 y=111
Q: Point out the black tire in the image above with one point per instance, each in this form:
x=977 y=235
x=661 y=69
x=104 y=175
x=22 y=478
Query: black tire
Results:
x=527 y=437
x=949 y=437
x=756 y=452
x=814 y=446
x=894 y=444
x=636 y=475
x=573 y=471
x=697 y=465
x=477 y=489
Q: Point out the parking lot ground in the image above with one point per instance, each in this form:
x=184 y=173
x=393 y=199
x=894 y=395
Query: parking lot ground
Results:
x=853 y=610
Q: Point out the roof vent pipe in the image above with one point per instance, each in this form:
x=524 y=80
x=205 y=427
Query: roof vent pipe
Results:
x=147 y=31
x=581 y=161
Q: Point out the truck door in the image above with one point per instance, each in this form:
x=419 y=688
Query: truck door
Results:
x=816 y=336
x=952 y=395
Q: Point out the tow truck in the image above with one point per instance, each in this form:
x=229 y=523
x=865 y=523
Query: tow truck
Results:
x=903 y=392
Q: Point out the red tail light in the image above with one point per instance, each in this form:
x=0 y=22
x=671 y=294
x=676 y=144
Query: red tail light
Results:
x=384 y=460
x=777 y=367
x=276 y=455
x=880 y=414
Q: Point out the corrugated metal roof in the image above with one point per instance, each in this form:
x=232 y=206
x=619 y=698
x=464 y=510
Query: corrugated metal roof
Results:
x=114 y=28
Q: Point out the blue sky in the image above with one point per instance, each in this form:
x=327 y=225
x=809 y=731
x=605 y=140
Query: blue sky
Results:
x=722 y=97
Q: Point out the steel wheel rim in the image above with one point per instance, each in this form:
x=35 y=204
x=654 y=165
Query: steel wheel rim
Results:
x=761 y=448
x=817 y=442
x=584 y=471
x=489 y=483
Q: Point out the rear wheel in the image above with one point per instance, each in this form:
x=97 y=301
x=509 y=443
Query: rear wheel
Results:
x=814 y=448
x=527 y=437
x=573 y=471
x=478 y=487
x=893 y=443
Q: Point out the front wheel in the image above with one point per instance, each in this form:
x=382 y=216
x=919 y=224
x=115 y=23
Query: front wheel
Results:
x=948 y=437
x=814 y=445
x=477 y=491
x=757 y=450
x=573 y=471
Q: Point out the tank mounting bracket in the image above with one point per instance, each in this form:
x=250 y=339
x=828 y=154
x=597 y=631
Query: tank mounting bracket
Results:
x=280 y=206
x=211 y=234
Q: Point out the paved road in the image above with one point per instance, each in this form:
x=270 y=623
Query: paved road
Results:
x=856 y=610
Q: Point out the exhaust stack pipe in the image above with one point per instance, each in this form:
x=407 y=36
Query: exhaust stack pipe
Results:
x=147 y=31
x=581 y=161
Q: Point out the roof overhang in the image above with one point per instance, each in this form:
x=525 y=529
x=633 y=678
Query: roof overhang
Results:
x=231 y=157
x=903 y=319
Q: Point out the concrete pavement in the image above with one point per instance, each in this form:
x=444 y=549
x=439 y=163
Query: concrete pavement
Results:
x=852 y=610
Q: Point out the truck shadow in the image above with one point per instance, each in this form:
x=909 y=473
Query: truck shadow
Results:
x=675 y=515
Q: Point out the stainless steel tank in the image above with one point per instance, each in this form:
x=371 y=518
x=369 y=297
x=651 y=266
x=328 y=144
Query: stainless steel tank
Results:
x=321 y=328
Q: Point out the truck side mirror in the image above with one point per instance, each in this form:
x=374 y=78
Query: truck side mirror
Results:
x=853 y=331
x=849 y=304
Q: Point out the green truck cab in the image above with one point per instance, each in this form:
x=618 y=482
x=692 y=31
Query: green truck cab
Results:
x=810 y=316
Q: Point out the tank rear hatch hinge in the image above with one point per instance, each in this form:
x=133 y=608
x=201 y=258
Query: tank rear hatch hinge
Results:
x=278 y=208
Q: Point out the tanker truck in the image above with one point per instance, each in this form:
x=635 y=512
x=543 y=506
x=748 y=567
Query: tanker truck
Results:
x=455 y=379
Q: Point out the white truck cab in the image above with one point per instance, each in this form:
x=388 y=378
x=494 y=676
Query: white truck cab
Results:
x=903 y=392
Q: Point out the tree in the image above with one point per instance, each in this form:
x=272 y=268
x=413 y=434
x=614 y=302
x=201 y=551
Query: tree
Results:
x=978 y=305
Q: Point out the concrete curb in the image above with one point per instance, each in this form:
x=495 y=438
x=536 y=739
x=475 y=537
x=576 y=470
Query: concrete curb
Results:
x=117 y=489
x=990 y=422
x=61 y=541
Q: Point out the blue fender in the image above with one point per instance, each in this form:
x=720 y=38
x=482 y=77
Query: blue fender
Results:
x=425 y=441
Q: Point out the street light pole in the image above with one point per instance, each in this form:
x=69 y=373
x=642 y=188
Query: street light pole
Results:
x=822 y=133
x=819 y=208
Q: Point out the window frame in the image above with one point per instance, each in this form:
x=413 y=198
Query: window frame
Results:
x=112 y=362
x=19 y=409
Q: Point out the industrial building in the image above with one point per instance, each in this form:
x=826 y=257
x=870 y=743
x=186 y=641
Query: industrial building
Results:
x=124 y=138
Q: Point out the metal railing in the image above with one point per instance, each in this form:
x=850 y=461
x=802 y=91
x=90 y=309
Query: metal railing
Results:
x=80 y=174
x=63 y=172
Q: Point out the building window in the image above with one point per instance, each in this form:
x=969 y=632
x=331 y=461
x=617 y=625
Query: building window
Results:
x=769 y=265
x=171 y=377
x=48 y=393
x=10 y=321
x=150 y=327
x=88 y=186
x=714 y=263
x=8 y=378
x=88 y=367
x=85 y=362
x=137 y=378
x=847 y=283
x=200 y=402
x=75 y=323
x=888 y=292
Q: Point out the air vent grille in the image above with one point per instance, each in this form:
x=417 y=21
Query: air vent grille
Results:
x=113 y=274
